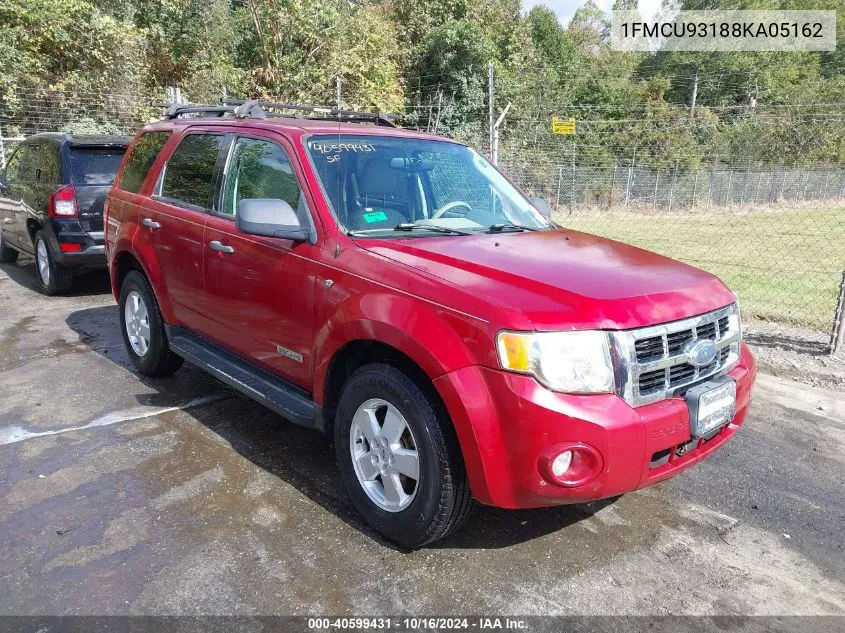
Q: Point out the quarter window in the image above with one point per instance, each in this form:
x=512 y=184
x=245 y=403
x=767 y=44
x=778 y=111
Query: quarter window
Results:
x=13 y=167
x=49 y=171
x=189 y=174
x=260 y=169
x=143 y=155
x=25 y=163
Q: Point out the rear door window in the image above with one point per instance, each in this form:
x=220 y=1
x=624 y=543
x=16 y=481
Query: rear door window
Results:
x=94 y=165
x=189 y=174
x=143 y=155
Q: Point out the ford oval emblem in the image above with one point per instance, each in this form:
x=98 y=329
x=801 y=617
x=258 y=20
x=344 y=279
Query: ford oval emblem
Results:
x=700 y=352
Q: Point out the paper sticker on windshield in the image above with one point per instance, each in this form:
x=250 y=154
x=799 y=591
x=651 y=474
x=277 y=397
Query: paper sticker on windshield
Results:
x=375 y=216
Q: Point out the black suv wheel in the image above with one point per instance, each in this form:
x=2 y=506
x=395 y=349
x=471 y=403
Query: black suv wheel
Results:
x=143 y=328
x=8 y=255
x=53 y=278
x=399 y=458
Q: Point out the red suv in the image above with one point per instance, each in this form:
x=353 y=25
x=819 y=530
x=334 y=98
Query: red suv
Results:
x=395 y=291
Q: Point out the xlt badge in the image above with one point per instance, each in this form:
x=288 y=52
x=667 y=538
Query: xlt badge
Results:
x=284 y=351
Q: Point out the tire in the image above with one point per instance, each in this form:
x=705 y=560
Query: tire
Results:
x=8 y=255
x=53 y=278
x=143 y=328
x=428 y=508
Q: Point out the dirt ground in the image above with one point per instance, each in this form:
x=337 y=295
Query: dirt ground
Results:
x=797 y=353
x=122 y=495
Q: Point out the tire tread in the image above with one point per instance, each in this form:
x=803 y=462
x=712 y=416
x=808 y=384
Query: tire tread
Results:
x=160 y=360
x=455 y=499
x=61 y=277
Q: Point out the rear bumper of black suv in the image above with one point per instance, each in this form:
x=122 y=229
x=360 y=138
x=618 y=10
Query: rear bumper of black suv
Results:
x=73 y=246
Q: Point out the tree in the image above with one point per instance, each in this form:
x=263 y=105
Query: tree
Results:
x=192 y=44
x=65 y=55
x=302 y=45
x=450 y=66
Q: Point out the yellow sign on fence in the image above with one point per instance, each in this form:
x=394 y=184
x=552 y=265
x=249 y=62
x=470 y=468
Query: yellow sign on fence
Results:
x=563 y=126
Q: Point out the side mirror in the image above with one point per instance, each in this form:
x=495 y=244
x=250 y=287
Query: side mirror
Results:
x=542 y=206
x=270 y=217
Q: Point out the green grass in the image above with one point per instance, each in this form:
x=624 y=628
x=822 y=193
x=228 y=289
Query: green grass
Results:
x=784 y=265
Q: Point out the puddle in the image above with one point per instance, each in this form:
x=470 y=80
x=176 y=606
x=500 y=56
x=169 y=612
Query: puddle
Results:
x=12 y=433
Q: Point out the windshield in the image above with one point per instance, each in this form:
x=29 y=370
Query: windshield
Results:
x=375 y=183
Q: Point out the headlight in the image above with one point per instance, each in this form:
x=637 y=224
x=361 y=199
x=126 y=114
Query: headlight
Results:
x=572 y=362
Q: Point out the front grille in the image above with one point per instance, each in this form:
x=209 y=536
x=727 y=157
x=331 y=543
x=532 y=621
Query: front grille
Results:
x=659 y=366
x=708 y=330
x=649 y=348
x=677 y=340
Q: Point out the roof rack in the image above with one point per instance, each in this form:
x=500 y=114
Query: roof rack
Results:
x=381 y=119
x=252 y=109
x=174 y=111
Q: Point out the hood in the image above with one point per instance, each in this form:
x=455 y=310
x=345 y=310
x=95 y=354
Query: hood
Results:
x=563 y=279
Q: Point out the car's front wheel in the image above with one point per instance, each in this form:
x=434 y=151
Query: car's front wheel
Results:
x=143 y=328
x=399 y=458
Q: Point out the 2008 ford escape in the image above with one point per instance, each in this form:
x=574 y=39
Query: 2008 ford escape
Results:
x=393 y=290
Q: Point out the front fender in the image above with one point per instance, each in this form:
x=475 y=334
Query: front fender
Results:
x=432 y=336
x=438 y=340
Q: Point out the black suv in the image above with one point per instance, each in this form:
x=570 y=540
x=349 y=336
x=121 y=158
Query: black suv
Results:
x=51 y=204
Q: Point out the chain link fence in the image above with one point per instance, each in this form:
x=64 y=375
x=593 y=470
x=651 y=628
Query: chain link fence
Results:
x=28 y=112
x=775 y=234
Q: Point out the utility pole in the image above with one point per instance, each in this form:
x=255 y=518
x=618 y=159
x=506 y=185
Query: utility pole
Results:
x=837 y=335
x=496 y=126
x=694 y=93
x=337 y=86
x=490 y=105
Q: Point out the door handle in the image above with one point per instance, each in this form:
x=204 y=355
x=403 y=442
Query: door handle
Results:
x=221 y=248
x=8 y=221
x=151 y=223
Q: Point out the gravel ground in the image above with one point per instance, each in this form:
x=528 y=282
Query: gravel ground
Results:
x=796 y=353
x=122 y=495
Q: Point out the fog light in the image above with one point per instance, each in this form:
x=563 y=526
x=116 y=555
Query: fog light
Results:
x=561 y=463
x=570 y=464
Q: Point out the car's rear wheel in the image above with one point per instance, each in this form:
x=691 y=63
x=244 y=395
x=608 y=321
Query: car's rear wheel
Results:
x=8 y=255
x=143 y=328
x=399 y=458
x=53 y=278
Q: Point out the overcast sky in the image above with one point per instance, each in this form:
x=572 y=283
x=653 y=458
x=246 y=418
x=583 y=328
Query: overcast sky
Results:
x=565 y=9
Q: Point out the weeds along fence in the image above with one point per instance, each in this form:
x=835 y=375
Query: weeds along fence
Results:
x=774 y=233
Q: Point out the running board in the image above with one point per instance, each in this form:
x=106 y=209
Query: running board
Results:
x=275 y=393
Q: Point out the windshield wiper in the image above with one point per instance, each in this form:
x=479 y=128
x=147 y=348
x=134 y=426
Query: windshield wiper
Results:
x=500 y=228
x=413 y=226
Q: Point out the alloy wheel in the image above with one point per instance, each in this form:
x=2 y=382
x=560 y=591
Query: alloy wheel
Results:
x=137 y=321
x=384 y=455
x=42 y=261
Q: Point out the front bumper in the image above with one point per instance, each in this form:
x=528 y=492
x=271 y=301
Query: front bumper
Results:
x=507 y=423
x=89 y=246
